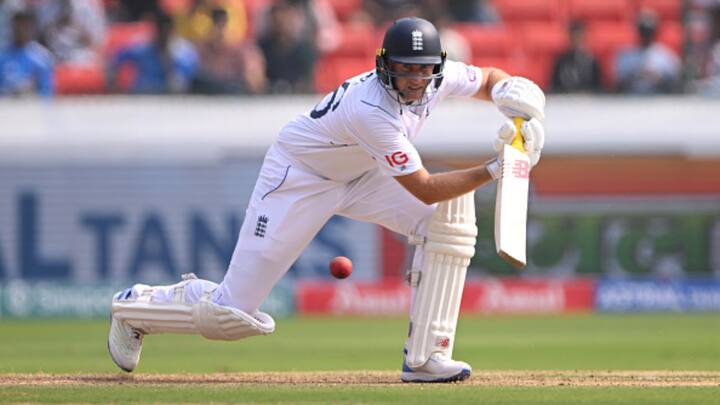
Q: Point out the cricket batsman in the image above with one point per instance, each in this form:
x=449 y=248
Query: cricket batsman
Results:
x=352 y=154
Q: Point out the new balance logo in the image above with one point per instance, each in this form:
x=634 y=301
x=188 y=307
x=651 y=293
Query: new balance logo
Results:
x=442 y=342
x=261 y=226
x=521 y=169
x=417 y=40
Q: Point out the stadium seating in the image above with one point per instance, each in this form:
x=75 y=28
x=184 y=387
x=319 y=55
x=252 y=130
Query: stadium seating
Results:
x=532 y=34
x=513 y=12
x=79 y=79
x=672 y=34
x=345 y=8
x=550 y=39
x=542 y=44
x=607 y=37
x=253 y=9
x=527 y=49
x=354 y=54
x=667 y=10
x=330 y=72
x=593 y=11
x=357 y=40
x=488 y=41
x=172 y=7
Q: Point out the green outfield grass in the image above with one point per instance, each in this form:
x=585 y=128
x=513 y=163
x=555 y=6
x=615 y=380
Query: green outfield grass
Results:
x=456 y=394
x=583 y=342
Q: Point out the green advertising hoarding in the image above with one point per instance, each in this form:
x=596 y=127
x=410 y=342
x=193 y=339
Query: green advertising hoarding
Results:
x=619 y=237
x=24 y=299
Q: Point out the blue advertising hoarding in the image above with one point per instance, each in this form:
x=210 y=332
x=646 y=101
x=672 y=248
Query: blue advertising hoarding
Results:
x=656 y=295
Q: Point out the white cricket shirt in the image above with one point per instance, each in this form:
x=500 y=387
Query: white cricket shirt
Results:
x=360 y=126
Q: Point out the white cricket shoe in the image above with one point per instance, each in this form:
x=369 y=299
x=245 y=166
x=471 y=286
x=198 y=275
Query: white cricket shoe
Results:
x=438 y=369
x=124 y=342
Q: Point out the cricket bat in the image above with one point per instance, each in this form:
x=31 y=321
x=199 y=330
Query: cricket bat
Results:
x=511 y=202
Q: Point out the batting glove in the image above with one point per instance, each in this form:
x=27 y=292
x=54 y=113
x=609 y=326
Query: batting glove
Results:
x=533 y=133
x=519 y=97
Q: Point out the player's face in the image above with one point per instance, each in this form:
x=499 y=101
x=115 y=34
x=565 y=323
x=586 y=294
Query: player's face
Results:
x=411 y=80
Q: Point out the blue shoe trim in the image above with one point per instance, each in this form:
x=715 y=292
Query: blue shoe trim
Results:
x=463 y=375
x=124 y=294
x=405 y=366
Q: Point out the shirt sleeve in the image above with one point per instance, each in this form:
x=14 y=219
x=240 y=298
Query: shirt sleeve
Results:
x=460 y=80
x=381 y=136
x=42 y=68
x=45 y=80
x=122 y=56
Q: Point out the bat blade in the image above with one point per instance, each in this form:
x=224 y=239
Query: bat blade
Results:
x=511 y=207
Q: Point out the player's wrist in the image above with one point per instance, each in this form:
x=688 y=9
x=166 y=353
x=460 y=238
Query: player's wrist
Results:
x=494 y=168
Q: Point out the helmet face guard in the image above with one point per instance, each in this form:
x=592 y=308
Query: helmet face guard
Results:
x=411 y=41
x=383 y=63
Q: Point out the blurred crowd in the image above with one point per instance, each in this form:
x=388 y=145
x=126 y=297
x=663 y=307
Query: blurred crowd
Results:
x=214 y=47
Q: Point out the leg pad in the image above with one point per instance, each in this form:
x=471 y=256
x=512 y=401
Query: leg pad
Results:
x=213 y=321
x=446 y=252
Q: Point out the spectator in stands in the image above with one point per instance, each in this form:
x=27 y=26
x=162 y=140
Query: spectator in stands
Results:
x=290 y=53
x=709 y=78
x=650 y=68
x=698 y=29
x=383 y=12
x=73 y=30
x=228 y=67
x=713 y=66
x=318 y=22
x=456 y=46
x=132 y=10
x=576 y=70
x=26 y=67
x=326 y=28
x=197 y=23
x=478 y=11
x=8 y=8
x=166 y=64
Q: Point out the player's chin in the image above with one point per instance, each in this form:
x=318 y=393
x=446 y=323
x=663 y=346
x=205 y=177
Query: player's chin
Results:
x=411 y=95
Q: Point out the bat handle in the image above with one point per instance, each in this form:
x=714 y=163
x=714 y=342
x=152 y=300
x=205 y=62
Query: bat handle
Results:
x=518 y=142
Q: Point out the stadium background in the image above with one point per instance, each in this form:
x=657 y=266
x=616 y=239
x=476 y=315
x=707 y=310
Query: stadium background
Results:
x=99 y=190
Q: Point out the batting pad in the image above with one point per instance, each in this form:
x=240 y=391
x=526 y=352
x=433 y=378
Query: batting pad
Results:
x=213 y=321
x=219 y=322
x=447 y=250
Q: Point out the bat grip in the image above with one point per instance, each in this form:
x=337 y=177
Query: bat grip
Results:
x=518 y=142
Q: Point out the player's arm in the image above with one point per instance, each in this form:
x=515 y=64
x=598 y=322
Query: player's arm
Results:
x=490 y=77
x=433 y=188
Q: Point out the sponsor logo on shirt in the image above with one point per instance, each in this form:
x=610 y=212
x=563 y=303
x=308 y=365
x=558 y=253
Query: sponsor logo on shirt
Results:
x=398 y=158
x=471 y=74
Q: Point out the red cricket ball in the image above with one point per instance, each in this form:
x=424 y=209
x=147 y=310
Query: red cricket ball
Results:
x=340 y=267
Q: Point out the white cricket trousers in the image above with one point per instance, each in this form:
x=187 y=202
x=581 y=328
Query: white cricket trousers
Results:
x=288 y=207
